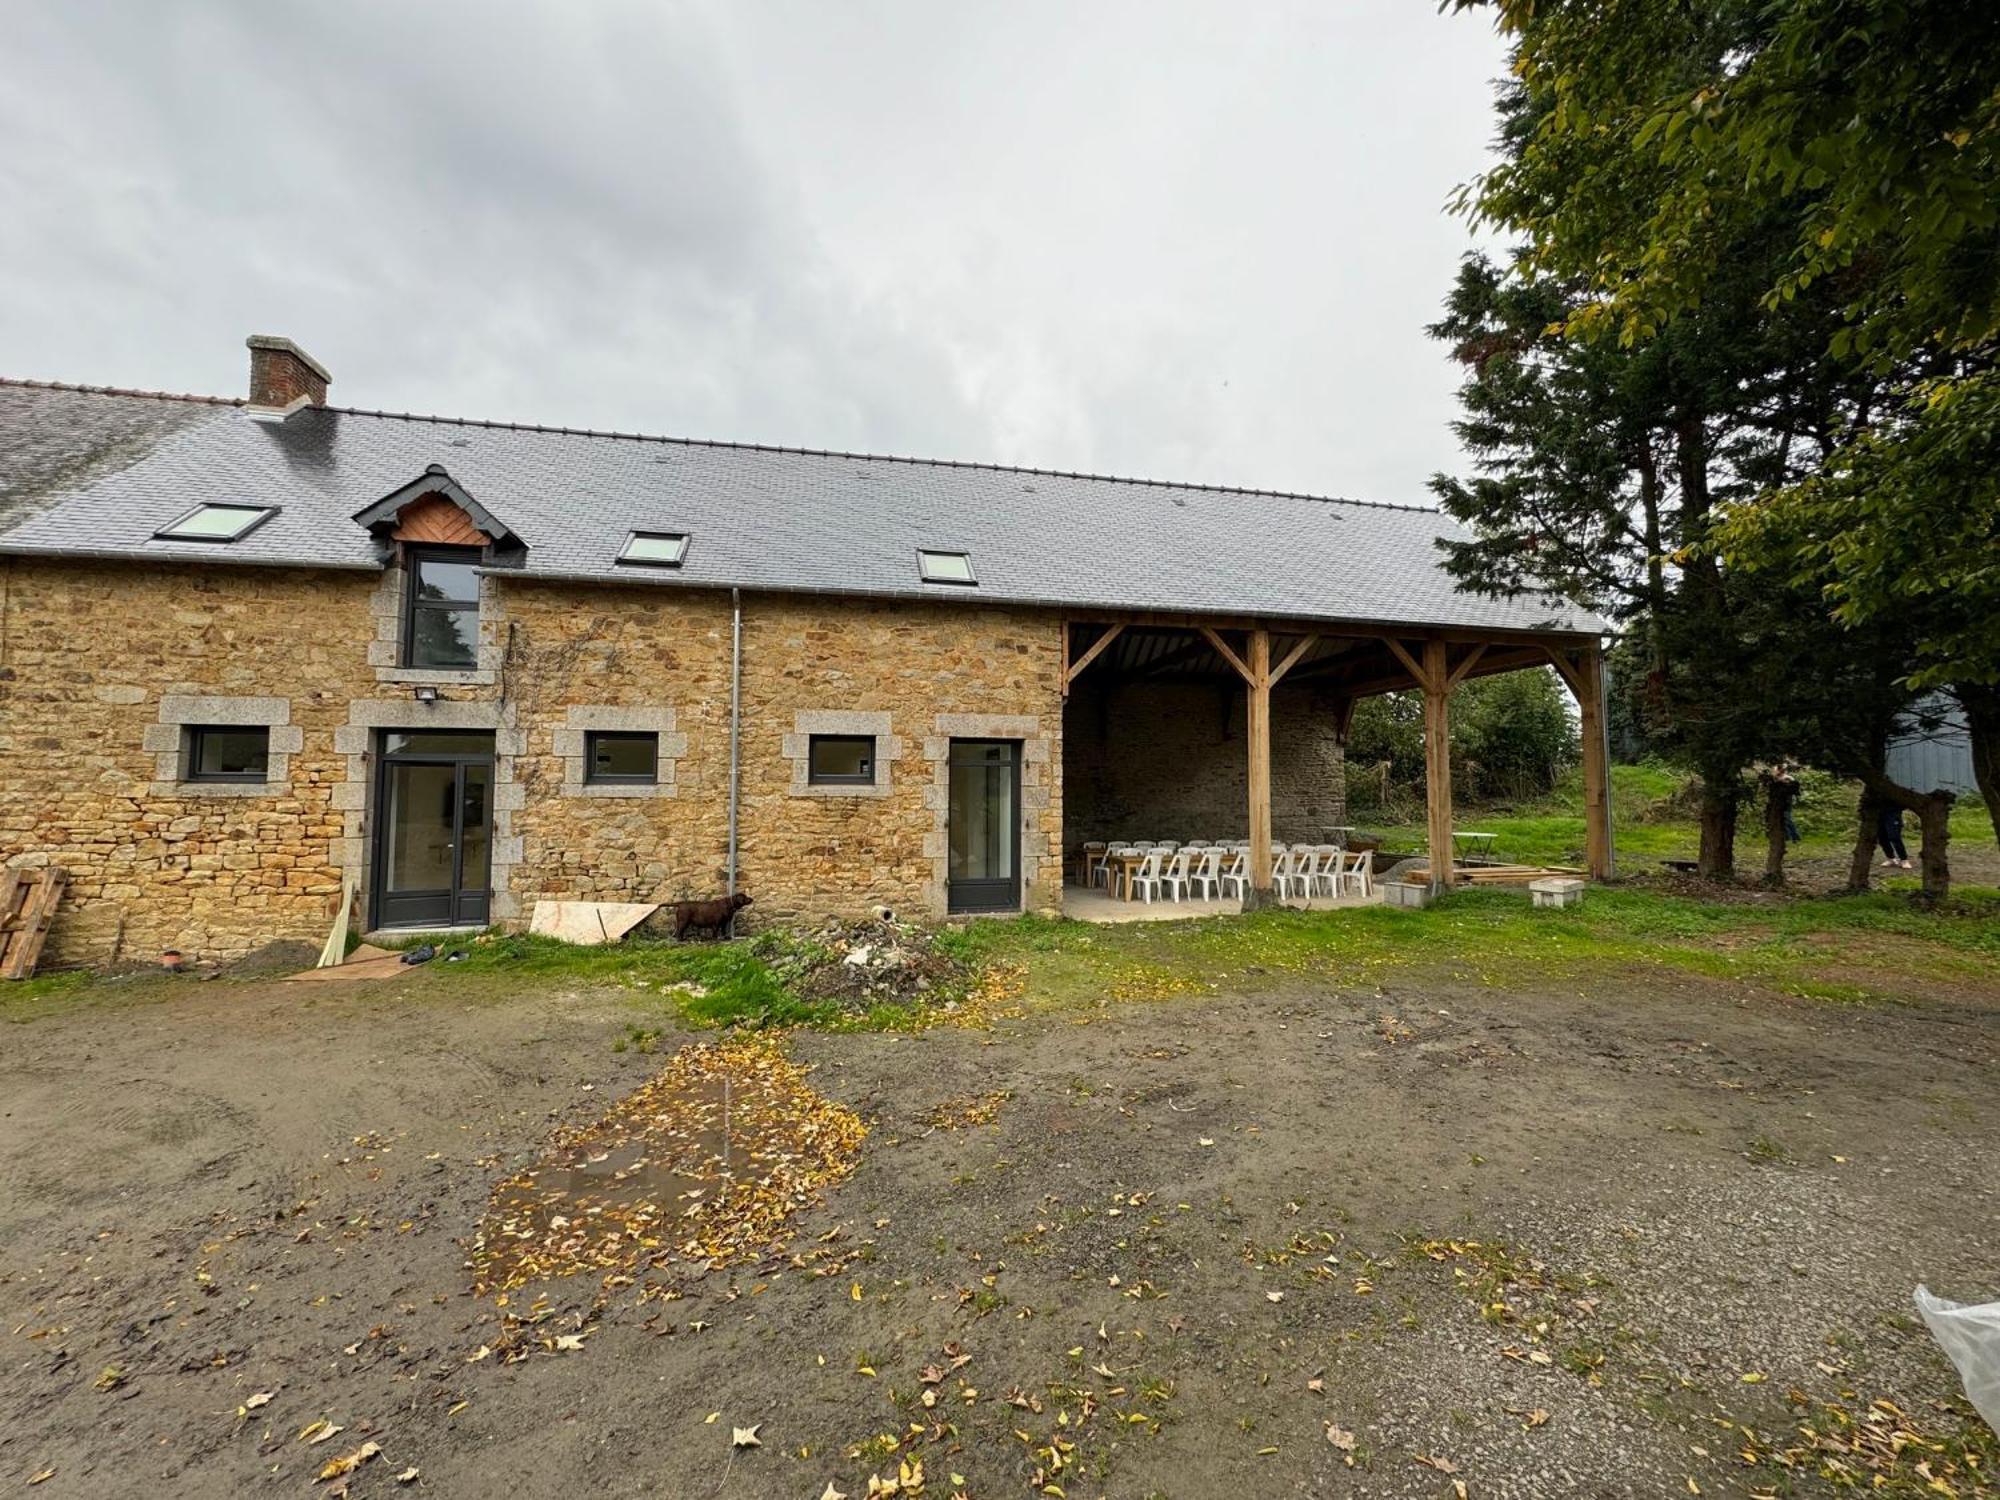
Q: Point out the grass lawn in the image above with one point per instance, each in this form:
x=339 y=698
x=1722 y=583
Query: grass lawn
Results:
x=1625 y=1199
x=1647 y=827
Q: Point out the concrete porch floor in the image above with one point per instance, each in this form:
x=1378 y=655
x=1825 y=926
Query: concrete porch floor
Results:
x=1093 y=905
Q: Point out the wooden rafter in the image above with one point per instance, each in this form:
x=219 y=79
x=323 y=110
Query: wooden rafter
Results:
x=1306 y=643
x=1075 y=669
x=1222 y=650
x=1331 y=628
x=1465 y=666
x=1571 y=674
x=1417 y=672
x=1491 y=663
x=1168 y=660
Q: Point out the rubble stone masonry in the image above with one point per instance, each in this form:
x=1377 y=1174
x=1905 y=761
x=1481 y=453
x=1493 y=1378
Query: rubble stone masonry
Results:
x=103 y=665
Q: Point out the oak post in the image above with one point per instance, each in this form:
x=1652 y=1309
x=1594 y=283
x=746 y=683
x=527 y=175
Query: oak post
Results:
x=1436 y=683
x=1596 y=768
x=1258 y=721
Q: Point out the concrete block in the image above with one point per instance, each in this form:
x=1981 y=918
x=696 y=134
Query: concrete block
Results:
x=1405 y=893
x=1557 y=891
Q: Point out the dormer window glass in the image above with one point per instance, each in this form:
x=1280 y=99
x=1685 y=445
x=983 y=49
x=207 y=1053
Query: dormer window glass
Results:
x=441 y=614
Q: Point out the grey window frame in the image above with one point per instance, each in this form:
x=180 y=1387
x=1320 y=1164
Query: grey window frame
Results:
x=627 y=561
x=413 y=557
x=924 y=554
x=815 y=778
x=591 y=775
x=192 y=736
x=172 y=531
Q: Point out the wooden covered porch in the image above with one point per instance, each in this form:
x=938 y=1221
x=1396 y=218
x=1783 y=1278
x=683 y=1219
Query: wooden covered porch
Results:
x=1345 y=662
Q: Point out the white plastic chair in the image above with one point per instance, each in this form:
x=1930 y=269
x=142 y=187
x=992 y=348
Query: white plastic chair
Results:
x=1286 y=876
x=1323 y=870
x=1358 y=869
x=1094 y=870
x=1111 y=876
x=1205 y=878
x=1236 y=872
x=1146 y=879
x=1174 y=878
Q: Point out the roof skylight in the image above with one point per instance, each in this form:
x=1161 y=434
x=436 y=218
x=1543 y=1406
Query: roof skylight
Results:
x=217 y=523
x=655 y=549
x=945 y=567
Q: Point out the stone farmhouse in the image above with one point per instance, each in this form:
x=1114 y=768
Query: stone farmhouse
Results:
x=254 y=648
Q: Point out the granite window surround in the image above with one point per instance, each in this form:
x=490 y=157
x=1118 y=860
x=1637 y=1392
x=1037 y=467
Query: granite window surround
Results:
x=355 y=741
x=845 y=723
x=572 y=743
x=1039 y=767
x=390 y=606
x=169 y=741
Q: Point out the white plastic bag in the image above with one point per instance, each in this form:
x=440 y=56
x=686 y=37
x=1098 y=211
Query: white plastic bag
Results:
x=1971 y=1337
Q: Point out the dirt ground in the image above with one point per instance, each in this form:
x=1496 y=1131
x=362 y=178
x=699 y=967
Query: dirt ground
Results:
x=1292 y=1242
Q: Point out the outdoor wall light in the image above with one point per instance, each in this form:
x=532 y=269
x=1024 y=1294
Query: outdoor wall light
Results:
x=427 y=694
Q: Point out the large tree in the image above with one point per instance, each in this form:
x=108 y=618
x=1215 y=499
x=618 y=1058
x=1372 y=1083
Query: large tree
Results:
x=1862 y=141
x=1600 y=470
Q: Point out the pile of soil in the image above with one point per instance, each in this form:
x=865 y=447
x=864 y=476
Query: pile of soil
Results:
x=859 y=964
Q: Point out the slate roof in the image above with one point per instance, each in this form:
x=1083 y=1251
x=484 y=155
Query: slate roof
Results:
x=94 y=472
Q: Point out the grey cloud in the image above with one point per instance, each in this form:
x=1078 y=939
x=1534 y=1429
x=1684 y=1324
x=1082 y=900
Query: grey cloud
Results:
x=1186 y=240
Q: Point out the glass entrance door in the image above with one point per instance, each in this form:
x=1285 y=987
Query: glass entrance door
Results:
x=984 y=826
x=434 y=835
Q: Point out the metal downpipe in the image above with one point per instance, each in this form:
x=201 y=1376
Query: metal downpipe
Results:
x=735 y=732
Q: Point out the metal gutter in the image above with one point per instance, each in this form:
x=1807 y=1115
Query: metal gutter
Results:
x=241 y=559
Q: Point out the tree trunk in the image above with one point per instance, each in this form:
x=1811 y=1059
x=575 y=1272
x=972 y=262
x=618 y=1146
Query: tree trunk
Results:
x=1717 y=859
x=1982 y=722
x=1774 y=835
x=1934 y=819
x=1863 y=861
x=1933 y=810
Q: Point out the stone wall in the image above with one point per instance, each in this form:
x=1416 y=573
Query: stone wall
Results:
x=101 y=667
x=1168 y=760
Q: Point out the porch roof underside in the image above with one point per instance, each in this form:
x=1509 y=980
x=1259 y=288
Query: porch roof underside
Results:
x=1342 y=660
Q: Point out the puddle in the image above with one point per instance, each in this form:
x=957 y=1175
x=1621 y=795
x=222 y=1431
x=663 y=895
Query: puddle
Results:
x=705 y=1161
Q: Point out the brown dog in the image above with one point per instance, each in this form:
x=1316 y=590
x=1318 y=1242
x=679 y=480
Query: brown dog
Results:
x=710 y=916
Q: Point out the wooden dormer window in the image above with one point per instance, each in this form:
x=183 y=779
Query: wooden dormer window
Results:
x=441 y=608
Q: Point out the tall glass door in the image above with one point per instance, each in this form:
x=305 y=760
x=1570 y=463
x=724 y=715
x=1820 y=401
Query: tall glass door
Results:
x=434 y=834
x=983 y=826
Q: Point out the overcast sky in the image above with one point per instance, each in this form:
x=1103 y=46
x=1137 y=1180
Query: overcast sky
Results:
x=1191 y=241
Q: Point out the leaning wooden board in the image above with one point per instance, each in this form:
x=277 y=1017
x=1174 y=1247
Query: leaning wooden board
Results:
x=28 y=901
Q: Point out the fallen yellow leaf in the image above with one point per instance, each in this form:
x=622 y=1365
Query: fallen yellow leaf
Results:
x=347 y=1463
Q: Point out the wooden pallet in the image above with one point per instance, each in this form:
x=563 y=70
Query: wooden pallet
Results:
x=1494 y=874
x=28 y=900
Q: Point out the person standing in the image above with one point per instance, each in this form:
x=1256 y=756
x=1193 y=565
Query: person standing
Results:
x=1785 y=791
x=1889 y=835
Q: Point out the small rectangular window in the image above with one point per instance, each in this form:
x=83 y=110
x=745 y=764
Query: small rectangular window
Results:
x=441 y=618
x=217 y=523
x=655 y=549
x=619 y=758
x=946 y=567
x=841 y=760
x=228 y=753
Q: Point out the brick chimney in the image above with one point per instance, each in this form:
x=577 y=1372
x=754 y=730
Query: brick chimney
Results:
x=283 y=377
